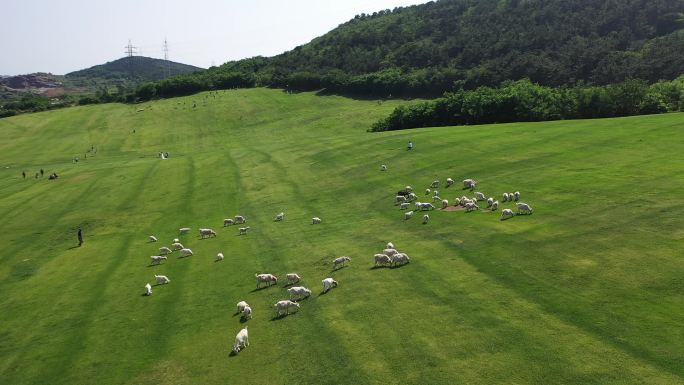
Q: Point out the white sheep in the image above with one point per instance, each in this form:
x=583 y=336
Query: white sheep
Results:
x=426 y=218
x=247 y=313
x=228 y=222
x=185 y=252
x=241 y=306
x=436 y=198
x=267 y=278
x=240 y=219
x=507 y=213
x=175 y=240
x=524 y=207
x=207 y=233
x=427 y=191
x=292 y=278
x=480 y=196
x=427 y=206
x=390 y=252
x=505 y=197
x=315 y=220
x=241 y=340
x=404 y=206
x=435 y=193
x=340 y=261
x=470 y=206
x=280 y=216
x=184 y=230
x=400 y=259
x=298 y=292
x=383 y=167
x=328 y=284
x=495 y=205
x=490 y=202
x=449 y=182
x=162 y=279
x=389 y=245
x=469 y=184
x=399 y=199
x=408 y=214
x=412 y=197
x=284 y=306
x=408 y=188
x=177 y=246
x=382 y=259
x=219 y=257
x=164 y=250
x=153 y=238
x=435 y=183
x=516 y=196
x=157 y=259
x=148 y=289
x=445 y=203
x=418 y=205
x=243 y=230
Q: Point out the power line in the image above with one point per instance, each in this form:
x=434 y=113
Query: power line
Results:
x=130 y=50
x=166 y=58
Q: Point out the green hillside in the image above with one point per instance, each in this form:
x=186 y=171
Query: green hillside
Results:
x=131 y=70
x=587 y=290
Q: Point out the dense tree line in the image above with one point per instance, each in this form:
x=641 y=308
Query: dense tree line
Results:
x=524 y=100
x=424 y=50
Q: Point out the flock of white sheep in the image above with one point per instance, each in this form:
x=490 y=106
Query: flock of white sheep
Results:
x=406 y=196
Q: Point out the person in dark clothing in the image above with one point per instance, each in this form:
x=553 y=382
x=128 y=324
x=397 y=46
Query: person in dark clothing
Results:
x=80 y=237
x=23 y=173
x=41 y=172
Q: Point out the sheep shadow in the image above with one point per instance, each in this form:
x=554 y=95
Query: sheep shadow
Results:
x=375 y=267
x=278 y=317
x=398 y=266
x=244 y=319
x=334 y=269
x=73 y=247
x=261 y=288
x=232 y=353
x=153 y=264
x=290 y=284
x=324 y=292
x=237 y=313
x=507 y=218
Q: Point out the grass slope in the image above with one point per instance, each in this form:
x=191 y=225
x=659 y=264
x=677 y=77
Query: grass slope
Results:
x=587 y=290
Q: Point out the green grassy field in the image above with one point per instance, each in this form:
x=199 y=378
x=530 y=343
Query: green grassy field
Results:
x=587 y=290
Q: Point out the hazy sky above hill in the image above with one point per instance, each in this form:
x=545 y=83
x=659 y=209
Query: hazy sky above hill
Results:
x=68 y=35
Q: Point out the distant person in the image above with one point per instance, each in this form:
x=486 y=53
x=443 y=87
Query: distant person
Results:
x=37 y=175
x=23 y=173
x=42 y=172
x=80 y=237
x=410 y=145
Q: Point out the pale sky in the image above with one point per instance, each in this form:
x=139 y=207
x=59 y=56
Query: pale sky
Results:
x=61 y=36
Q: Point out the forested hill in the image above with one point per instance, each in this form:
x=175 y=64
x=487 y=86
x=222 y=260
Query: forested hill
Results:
x=424 y=49
x=133 y=69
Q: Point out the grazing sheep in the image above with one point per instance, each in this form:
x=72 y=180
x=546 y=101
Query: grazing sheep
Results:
x=427 y=206
x=412 y=197
x=389 y=245
x=228 y=222
x=292 y=278
x=436 y=198
x=449 y=182
x=153 y=238
x=507 y=213
x=240 y=219
x=243 y=230
x=383 y=167
x=445 y=203
x=408 y=214
x=207 y=233
x=175 y=240
x=241 y=306
x=426 y=218
x=400 y=259
x=298 y=292
x=418 y=205
x=470 y=206
x=435 y=183
x=427 y=191
x=164 y=250
x=177 y=246
x=241 y=340
x=495 y=205
x=185 y=252
x=382 y=259
x=340 y=261
x=284 y=306
x=408 y=188
x=279 y=217
x=162 y=279
x=505 y=197
x=435 y=193
x=219 y=257
x=524 y=208
x=157 y=259
x=511 y=196
x=390 y=252
x=480 y=196
x=516 y=196
x=148 y=289
x=403 y=206
x=315 y=220
x=399 y=199
x=490 y=202
x=328 y=284
x=267 y=278
x=469 y=184
x=184 y=230
x=247 y=313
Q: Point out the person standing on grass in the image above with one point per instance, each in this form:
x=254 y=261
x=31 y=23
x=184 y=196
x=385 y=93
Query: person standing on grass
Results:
x=410 y=145
x=41 y=172
x=80 y=237
x=23 y=173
